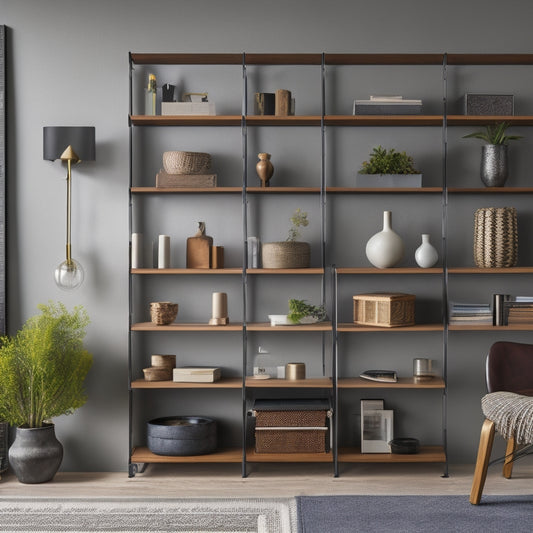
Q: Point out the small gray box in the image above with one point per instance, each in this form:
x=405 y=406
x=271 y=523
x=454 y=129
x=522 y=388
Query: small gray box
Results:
x=489 y=104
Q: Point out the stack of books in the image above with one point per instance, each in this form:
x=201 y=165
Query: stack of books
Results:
x=387 y=105
x=470 y=313
x=517 y=310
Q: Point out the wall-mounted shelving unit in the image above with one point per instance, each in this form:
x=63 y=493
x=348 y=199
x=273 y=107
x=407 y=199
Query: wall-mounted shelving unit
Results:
x=338 y=340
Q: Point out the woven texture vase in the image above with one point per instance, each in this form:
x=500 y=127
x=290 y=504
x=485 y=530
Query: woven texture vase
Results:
x=495 y=237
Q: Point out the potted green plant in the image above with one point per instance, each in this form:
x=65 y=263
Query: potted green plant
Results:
x=388 y=168
x=42 y=370
x=290 y=253
x=494 y=153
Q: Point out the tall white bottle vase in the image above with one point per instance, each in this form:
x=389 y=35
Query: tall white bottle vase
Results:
x=426 y=255
x=385 y=249
x=163 y=255
x=136 y=250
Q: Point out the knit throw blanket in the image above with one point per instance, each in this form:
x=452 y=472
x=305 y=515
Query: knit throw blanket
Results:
x=511 y=413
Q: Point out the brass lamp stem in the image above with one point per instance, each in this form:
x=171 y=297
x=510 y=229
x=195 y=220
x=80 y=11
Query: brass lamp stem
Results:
x=69 y=184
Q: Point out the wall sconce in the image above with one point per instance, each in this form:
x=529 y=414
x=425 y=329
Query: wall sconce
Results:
x=71 y=144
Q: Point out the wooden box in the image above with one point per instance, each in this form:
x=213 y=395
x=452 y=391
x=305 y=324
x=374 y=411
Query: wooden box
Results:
x=291 y=426
x=387 y=310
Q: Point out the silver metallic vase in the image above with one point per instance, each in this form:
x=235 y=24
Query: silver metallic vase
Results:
x=494 y=168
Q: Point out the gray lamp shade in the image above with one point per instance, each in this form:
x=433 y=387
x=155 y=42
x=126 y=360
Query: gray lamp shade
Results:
x=57 y=138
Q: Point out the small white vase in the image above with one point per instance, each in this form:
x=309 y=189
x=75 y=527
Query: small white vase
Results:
x=385 y=249
x=426 y=255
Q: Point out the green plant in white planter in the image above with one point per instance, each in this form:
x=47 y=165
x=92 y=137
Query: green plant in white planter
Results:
x=42 y=370
x=289 y=253
x=301 y=312
x=388 y=168
x=494 y=169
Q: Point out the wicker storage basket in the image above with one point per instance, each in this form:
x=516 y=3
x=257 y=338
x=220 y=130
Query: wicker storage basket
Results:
x=289 y=426
x=495 y=237
x=286 y=254
x=386 y=310
x=186 y=162
x=163 y=313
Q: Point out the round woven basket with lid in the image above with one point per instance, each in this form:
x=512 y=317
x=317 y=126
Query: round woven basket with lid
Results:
x=495 y=237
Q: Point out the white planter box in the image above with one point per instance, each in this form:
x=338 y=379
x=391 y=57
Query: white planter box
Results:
x=388 y=180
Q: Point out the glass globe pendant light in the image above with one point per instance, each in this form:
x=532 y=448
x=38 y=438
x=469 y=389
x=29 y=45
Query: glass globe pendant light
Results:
x=69 y=274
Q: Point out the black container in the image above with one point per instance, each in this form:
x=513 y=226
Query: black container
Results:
x=404 y=445
x=182 y=435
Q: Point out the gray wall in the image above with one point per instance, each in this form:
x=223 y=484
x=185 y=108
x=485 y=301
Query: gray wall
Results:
x=68 y=65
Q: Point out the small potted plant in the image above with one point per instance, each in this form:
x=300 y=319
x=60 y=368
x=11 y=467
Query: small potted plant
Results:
x=300 y=312
x=388 y=168
x=42 y=370
x=494 y=159
x=289 y=253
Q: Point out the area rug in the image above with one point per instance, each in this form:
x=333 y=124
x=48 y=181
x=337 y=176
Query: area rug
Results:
x=413 y=514
x=168 y=515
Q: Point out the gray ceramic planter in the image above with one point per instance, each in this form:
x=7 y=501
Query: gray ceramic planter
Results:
x=36 y=454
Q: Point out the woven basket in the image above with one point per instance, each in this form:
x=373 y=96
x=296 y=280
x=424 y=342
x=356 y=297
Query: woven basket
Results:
x=163 y=313
x=286 y=254
x=495 y=237
x=186 y=162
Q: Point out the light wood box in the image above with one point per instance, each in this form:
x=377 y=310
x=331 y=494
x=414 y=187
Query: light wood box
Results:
x=387 y=310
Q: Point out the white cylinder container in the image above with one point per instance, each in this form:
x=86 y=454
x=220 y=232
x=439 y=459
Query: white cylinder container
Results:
x=136 y=250
x=163 y=256
x=426 y=255
x=385 y=249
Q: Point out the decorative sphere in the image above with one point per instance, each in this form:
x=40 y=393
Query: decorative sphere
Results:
x=69 y=275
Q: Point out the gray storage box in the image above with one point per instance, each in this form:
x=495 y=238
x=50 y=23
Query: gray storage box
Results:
x=488 y=104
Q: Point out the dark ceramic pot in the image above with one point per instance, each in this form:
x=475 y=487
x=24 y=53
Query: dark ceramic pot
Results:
x=36 y=454
x=182 y=435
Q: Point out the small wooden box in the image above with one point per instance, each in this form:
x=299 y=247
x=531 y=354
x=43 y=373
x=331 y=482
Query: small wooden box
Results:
x=387 y=310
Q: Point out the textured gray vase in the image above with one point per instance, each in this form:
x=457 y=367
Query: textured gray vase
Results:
x=494 y=165
x=36 y=454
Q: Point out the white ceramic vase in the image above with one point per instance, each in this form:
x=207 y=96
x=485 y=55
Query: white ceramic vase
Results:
x=385 y=249
x=426 y=255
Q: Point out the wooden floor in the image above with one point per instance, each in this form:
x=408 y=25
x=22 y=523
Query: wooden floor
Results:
x=274 y=480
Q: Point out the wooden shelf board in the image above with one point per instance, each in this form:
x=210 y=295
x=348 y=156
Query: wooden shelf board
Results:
x=223 y=383
x=350 y=327
x=389 y=271
x=489 y=190
x=283 y=190
x=142 y=454
x=275 y=271
x=383 y=120
x=186 y=59
x=383 y=59
x=253 y=457
x=298 y=328
x=311 y=383
x=283 y=59
x=185 y=120
x=490 y=59
x=427 y=454
x=402 y=383
x=475 y=270
x=291 y=120
x=149 y=326
x=187 y=271
x=482 y=120
x=185 y=190
x=384 y=190
x=488 y=327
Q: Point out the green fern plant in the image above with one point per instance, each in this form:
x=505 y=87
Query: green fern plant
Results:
x=383 y=161
x=298 y=220
x=494 y=134
x=299 y=309
x=43 y=366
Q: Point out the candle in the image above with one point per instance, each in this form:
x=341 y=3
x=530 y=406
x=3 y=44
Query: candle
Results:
x=219 y=309
x=136 y=250
x=163 y=257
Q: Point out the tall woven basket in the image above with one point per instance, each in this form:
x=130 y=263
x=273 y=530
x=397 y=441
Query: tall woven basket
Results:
x=495 y=237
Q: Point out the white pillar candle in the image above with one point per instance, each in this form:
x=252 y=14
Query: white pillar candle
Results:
x=136 y=250
x=163 y=256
